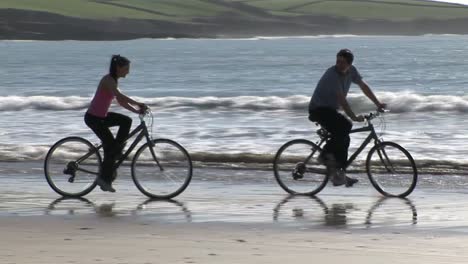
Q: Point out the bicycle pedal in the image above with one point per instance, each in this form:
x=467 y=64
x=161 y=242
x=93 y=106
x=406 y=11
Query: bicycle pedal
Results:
x=297 y=176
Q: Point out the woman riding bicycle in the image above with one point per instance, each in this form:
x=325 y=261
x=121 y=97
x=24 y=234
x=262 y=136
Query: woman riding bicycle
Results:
x=100 y=120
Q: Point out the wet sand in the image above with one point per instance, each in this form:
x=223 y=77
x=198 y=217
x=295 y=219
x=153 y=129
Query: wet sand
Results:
x=231 y=216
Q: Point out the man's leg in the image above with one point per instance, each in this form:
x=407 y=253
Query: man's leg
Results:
x=339 y=127
x=340 y=139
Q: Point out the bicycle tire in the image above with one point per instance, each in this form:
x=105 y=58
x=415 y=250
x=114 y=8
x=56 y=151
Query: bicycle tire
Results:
x=64 y=174
x=294 y=173
x=166 y=180
x=391 y=170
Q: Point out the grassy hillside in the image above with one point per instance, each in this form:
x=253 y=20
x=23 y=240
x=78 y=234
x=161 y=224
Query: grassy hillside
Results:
x=186 y=10
x=365 y=9
x=171 y=10
x=128 y=19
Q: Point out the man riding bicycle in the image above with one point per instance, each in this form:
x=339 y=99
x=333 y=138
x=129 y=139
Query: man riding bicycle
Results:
x=330 y=95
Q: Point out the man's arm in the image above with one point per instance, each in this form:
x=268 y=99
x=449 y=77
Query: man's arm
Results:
x=347 y=109
x=368 y=92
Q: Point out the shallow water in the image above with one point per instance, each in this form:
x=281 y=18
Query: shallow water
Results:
x=238 y=97
x=247 y=197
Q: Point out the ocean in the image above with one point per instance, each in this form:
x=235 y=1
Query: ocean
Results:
x=236 y=101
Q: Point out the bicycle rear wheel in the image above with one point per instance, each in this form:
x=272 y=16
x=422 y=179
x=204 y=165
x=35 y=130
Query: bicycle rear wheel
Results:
x=71 y=167
x=391 y=170
x=297 y=170
x=161 y=169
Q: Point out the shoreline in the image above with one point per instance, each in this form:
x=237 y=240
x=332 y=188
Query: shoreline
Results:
x=218 y=170
x=259 y=37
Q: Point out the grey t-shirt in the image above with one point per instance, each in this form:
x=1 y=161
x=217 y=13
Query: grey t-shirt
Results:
x=328 y=86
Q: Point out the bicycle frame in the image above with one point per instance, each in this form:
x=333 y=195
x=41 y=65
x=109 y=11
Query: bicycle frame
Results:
x=372 y=135
x=142 y=131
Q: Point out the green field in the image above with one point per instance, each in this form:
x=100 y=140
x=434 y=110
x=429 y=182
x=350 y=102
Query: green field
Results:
x=389 y=10
x=186 y=10
x=172 y=10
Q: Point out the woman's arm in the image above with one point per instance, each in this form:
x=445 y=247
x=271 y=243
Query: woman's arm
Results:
x=125 y=101
x=128 y=103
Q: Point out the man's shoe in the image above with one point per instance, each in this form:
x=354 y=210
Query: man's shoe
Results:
x=350 y=181
x=338 y=178
x=105 y=186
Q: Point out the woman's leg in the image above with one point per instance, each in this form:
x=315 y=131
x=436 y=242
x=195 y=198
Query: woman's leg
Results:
x=122 y=121
x=102 y=131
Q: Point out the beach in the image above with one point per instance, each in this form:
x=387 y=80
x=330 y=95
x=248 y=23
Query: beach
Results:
x=232 y=103
x=85 y=240
x=229 y=220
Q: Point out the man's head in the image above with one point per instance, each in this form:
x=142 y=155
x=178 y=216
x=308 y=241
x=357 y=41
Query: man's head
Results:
x=344 y=60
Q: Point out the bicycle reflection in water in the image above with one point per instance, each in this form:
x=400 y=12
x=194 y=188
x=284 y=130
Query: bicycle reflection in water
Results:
x=307 y=210
x=170 y=210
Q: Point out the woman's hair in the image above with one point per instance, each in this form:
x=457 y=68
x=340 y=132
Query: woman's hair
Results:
x=347 y=55
x=117 y=61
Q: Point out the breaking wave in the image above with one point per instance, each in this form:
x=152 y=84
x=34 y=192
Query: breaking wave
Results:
x=402 y=102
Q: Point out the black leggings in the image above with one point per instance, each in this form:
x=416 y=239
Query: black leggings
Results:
x=339 y=127
x=100 y=127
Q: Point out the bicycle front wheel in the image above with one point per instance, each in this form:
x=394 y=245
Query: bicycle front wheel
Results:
x=71 y=167
x=161 y=169
x=297 y=170
x=391 y=170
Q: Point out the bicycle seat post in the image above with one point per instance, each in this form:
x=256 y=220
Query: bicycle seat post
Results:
x=323 y=133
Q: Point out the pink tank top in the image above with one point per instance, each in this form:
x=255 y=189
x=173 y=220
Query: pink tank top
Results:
x=101 y=102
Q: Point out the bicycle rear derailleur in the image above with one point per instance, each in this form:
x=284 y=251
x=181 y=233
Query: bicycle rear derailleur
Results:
x=299 y=170
x=71 y=170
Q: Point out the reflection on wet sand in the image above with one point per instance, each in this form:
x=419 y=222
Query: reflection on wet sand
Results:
x=247 y=203
x=313 y=210
x=150 y=207
x=379 y=204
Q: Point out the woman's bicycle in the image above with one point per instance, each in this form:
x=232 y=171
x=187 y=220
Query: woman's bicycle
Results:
x=390 y=167
x=161 y=168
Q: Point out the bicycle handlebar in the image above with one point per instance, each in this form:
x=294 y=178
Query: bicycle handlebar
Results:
x=375 y=114
x=147 y=112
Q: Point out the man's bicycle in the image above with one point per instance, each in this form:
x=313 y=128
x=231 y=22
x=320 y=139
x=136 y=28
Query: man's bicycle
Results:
x=160 y=168
x=390 y=167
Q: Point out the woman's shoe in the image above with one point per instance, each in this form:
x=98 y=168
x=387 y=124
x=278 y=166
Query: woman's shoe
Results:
x=105 y=186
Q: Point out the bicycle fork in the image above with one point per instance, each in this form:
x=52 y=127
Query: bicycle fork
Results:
x=385 y=160
x=151 y=146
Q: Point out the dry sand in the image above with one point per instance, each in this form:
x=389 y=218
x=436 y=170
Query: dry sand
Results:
x=91 y=240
